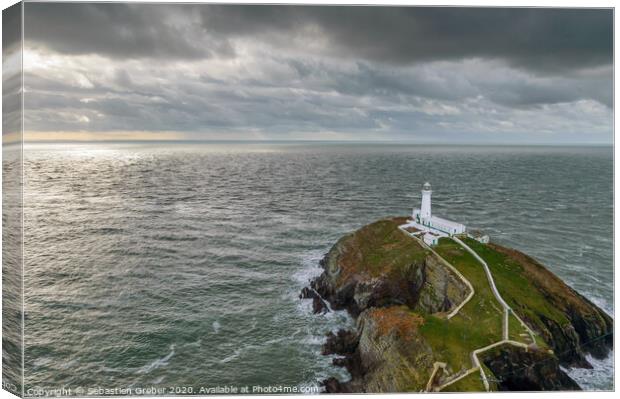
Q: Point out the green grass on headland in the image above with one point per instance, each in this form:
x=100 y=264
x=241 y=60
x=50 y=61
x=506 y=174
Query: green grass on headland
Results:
x=516 y=289
x=478 y=323
x=469 y=383
x=381 y=248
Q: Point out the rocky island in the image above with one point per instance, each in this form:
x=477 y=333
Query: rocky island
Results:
x=428 y=317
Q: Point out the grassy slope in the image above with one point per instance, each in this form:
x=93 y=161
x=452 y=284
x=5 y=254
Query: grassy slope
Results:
x=471 y=383
x=516 y=289
x=479 y=323
x=380 y=248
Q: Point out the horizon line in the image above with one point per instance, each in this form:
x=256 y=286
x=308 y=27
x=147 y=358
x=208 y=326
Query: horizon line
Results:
x=293 y=141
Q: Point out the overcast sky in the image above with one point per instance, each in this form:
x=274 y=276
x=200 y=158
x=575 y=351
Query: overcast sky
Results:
x=131 y=71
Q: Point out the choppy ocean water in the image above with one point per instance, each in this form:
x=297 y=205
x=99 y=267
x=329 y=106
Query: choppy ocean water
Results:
x=180 y=264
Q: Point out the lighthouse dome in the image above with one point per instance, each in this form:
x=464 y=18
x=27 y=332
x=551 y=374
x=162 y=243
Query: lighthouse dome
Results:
x=426 y=186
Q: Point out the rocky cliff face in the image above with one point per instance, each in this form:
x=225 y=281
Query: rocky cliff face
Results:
x=384 y=354
x=516 y=369
x=586 y=329
x=391 y=285
x=417 y=279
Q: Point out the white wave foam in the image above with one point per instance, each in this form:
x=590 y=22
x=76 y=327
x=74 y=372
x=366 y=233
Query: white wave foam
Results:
x=313 y=340
x=310 y=268
x=309 y=271
x=235 y=355
x=237 y=352
x=314 y=335
x=602 y=302
x=216 y=326
x=599 y=378
x=158 y=380
x=161 y=362
x=42 y=361
x=194 y=344
x=69 y=364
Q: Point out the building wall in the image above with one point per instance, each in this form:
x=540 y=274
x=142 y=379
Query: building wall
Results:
x=446 y=226
x=430 y=239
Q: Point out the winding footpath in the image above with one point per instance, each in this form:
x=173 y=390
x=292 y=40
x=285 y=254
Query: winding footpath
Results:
x=454 y=311
x=507 y=309
x=477 y=366
x=505 y=328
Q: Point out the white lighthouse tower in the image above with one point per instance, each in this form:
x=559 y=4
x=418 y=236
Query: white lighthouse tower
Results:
x=432 y=228
x=425 y=208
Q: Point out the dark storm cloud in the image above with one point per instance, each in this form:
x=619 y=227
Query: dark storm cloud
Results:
x=11 y=69
x=532 y=38
x=552 y=91
x=355 y=72
x=518 y=90
x=118 y=31
x=11 y=27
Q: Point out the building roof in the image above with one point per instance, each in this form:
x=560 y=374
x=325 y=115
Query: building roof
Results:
x=446 y=222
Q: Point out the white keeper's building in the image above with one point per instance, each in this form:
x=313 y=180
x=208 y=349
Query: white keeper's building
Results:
x=432 y=227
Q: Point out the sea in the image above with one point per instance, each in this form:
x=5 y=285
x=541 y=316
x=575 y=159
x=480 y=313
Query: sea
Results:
x=178 y=266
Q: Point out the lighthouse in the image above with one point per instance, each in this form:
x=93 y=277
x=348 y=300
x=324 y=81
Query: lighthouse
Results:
x=425 y=208
x=433 y=227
